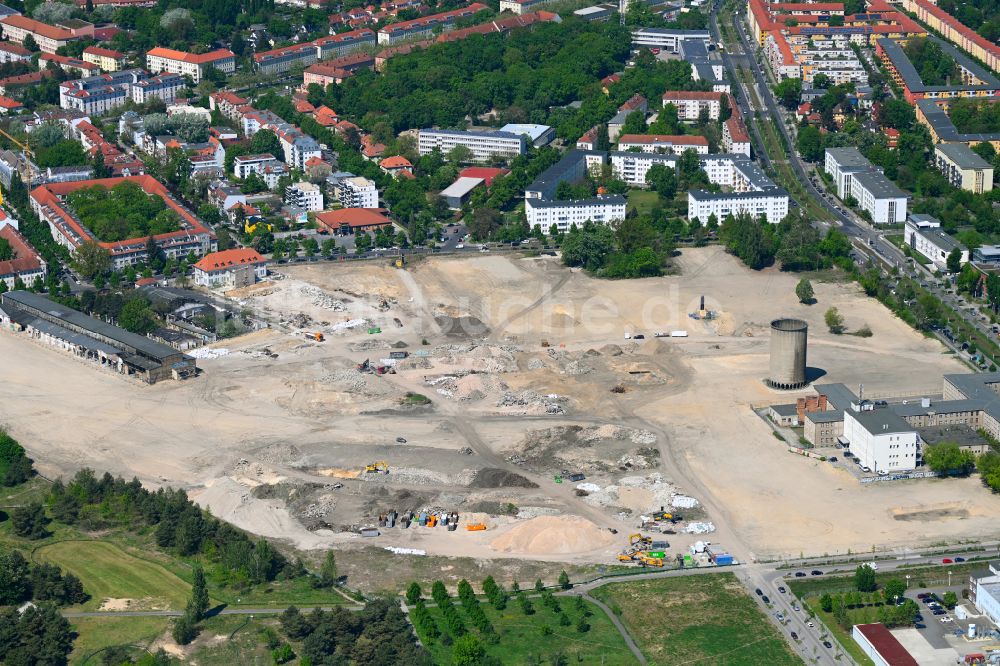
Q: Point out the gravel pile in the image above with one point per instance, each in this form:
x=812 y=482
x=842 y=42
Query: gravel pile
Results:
x=321 y=299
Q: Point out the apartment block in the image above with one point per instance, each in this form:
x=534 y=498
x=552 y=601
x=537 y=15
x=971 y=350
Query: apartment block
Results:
x=964 y=168
x=484 y=144
x=194 y=65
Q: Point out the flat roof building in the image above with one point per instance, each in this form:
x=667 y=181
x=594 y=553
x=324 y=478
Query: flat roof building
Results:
x=92 y=339
x=924 y=234
x=484 y=145
x=963 y=167
x=456 y=194
x=881 y=646
x=875 y=194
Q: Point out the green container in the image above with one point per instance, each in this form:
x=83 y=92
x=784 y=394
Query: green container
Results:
x=656 y=553
x=557 y=479
x=374 y=330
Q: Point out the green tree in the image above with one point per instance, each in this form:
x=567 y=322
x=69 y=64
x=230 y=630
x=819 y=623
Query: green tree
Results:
x=564 y=582
x=185 y=629
x=864 y=578
x=266 y=141
x=327 y=572
x=136 y=316
x=826 y=602
x=588 y=247
x=6 y=251
x=809 y=143
x=893 y=589
x=949 y=458
x=413 y=592
x=199 y=595
x=804 y=291
x=29 y=43
x=467 y=650
x=91 y=260
x=789 y=93
x=15 y=583
x=834 y=321
x=949 y=599
x=29 y=521
x=954 y=260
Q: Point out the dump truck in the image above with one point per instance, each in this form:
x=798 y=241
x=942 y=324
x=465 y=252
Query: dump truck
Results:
x=476 y=527
x=379 y=467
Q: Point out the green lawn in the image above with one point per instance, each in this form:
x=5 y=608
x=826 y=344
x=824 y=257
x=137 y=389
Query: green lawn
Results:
x=522 y=641
x=643 y=201
x=96 y=633
x=245 y=648
x=923 y=576
x=706 y=619
x=107 y=571
x=842 y=636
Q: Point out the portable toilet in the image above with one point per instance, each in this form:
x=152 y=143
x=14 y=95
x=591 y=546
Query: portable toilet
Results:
x=972 y=630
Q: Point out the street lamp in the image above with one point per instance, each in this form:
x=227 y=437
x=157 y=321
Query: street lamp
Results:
x=949 y=579
x=907 y=581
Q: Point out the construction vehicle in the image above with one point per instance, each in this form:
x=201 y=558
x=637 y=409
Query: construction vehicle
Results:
x=622 y=557
x=638 y=539
x=545 y=343
x=379 y=467
x=663 y=515
x=476 y=527
x=400 y=261
x=318 y=337
x=365 y=366
x=650 y=561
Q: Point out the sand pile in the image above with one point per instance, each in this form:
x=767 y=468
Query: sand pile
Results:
x=553 y=535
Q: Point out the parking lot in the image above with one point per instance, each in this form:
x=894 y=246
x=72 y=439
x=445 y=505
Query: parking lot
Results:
x=940 y=635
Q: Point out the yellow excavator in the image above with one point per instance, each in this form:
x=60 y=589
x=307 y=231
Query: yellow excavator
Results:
x=380 y=467
x=639 y=540
x=645 y=561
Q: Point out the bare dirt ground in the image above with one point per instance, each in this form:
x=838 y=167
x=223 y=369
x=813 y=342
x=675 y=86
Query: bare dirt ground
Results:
x=275 y=433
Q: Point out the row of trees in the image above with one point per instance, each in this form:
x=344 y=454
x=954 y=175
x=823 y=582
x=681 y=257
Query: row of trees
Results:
x=793 y=242
x=629 y=248
x=15 y=465
x=39 y=635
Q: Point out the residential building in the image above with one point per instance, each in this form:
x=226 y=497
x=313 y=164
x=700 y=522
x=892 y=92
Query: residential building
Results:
x=11 y=52
x=356 y=192
x=735 y=137
x=424 y=26
x=230 y=269
x=8 y=106
x=26 y=264
x=88 y=338
x=163 y=87
x=95 y=95
x=691 y=104
x=924 y=234
x=281 y=60
x=881 y=646
x=564 y=214
x=973 y=80
x=336 y=70
x=345 y=43
x=73 y=66
x=107 y=59
x=954 y=31
x=396 y=165
x=227 y=103
x=880 y=439
x=194 y=65
x=663 y=143
x=771 y=203
x=353 y=220
x=855 y=177
x=521 y=6
x=306 y=196
x=964 y=168
x=484 y=145
x=49 y=203
x=265 y=165
x=48 y=37
x=632 y=167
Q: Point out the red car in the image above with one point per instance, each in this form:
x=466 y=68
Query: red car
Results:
x=946 y=560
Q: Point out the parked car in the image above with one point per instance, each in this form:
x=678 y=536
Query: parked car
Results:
x=959 y=559
x=810 y=624
x=815 y=572
x=827 y=644
x=765 y=599
x=939 y=612
x=759 y=592
x=795 y=636
x=832 y=459
x=947 y=560
x=800 y=574
x=781 y=589
x=922 y=595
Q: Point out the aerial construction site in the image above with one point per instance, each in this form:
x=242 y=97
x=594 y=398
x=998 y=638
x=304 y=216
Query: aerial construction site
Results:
x=506 y=407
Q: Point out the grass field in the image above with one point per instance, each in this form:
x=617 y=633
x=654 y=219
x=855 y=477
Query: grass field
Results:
x=107 y=571
x=96 y=633
x=703 y=619
x=213 y=646
x=642 y=201
x=523 y=639
x=919 y=577
x=843 y=637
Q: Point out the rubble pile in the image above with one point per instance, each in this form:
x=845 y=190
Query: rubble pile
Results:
x=322 y=299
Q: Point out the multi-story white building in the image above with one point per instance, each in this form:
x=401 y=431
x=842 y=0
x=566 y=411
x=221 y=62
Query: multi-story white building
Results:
x=772 y=204
x=484 y=144
x=265 y=165
x=880 y=439
x=357 y=192
x=735 y=138
x=964 y=168
x=99 y=94
x=665 y=38
x=48 y=37
x=521 y=6
x=690 y=103
x=11 y=52
x=924 y=234
x=194 y=65
x=564 y=214
x=633 y=167
x=855 y=177
x=663 y=143
x=163 y=87
x=298 y=146
x=306 y=196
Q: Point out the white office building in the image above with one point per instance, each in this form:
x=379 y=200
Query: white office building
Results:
x=663 y=143
x=306 y=196
x=880 y=439
x=667 y=39
x=924 y=234
x=484 y=144
x=855 y=177
x=357 y=192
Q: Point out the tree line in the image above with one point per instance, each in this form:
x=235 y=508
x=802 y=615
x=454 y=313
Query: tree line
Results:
x=793 y=242
x=22 y=581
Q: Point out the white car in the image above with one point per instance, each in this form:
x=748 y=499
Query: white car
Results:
x=810 y=624
x=460 y=246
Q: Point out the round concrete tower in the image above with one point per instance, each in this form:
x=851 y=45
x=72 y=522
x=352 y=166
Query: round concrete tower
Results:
x=788 y=354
